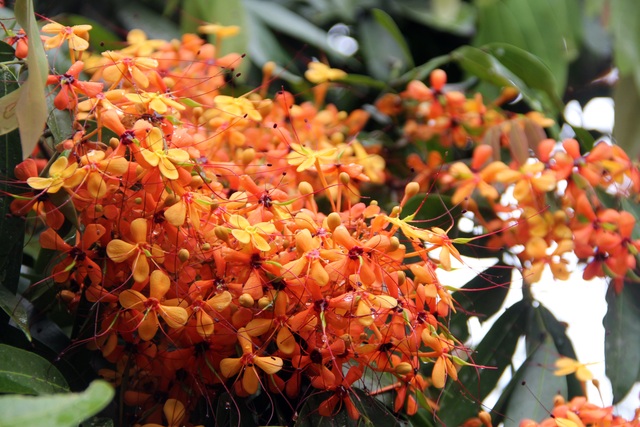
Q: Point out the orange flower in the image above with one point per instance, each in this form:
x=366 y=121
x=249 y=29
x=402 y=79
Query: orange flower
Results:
x=134 y=70
x=153 y=152
x=70 y=86
x=321 y=73
x=136 y=253
x=248 y=362
x=173 y=315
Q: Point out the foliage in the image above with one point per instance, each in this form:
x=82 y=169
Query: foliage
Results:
x=258 y=239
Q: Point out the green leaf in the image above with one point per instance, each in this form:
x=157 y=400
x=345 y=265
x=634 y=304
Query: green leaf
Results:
x=462 y=400
x=58 y=410
x=548 y=29
x=483 y=295
x=60 y=122
x=27 y=373
x=31 y=108
x=626 y=129
x=12 y=305
x=564 y=347
x=385 y=51
x=633 y=207
x=529 y=68
x=454 y=16
x=11 y=227
x=263 y=47
x=421 y=72
x=622 y=339
x=372 y=412
x=485 y=66
x=530 y=380
x=290 y=23
x=223 y=12
x=625 y=23
x=135 y=15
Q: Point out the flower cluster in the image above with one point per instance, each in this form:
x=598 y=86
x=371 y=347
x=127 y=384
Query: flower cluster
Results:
x=539 y=199
x=200 y=246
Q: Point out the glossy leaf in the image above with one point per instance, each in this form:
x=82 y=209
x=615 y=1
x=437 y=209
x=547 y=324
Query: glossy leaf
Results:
x=483 y=295
x=487 y=67
x=548 y=29
x=529 y=68
x=13 y=306
x=59 y=122
x=461 y=400
x=31 y=108
x=622 y=339
x=287 y=22
x=25 y=372
x=57 y=410
x=383 y=47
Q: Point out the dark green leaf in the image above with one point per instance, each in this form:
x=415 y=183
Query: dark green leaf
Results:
x=287 y=22
x=27 y=373
x=384 y=50
x=372 y=412
x=13 y=306
x=529 y=68
x=483 y=295
x=584 y=137
x=59 y=122
x=11 y=228
x=548 y=29
x=421 y=72
x=622 y=339
x=462 y=400
x=362 y=80
x=58 y=410
x=487 y=67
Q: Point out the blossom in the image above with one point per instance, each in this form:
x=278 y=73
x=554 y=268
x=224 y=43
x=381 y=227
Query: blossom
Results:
x=253 y=235
x=153 y=306
x=61 y=174
x=77 y=36
x=320 y=73
x=248 y=362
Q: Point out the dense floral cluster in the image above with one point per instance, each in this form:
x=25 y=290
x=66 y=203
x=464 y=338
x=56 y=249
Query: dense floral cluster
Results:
x=201 y=248
x=541 y=199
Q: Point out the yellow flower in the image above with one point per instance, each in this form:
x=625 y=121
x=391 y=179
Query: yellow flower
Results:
x=61 y=174
x=155 y=154
x=76 y=35
x=321 y=73
x=305 y=157
x=238 y=108
x=158 y=102
x=139 y=45
x=567 y=366
x=247 y=234
x=218 y=30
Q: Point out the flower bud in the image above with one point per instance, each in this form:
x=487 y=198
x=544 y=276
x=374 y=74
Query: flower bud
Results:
x=333 y=220
x=411 y=189
x=183 y=255
x=246 y=300
x=222 y=233
x=344 y=178
x=305 y=188
x=404 y=368
x=263 y=303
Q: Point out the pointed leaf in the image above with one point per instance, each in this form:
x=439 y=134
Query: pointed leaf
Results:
x=58 y=410
x=13 y=306
x=461 y=400
x=27 y=373
x=31 y=109
x=626 y=129
x=622 y=339
x=11 y=227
